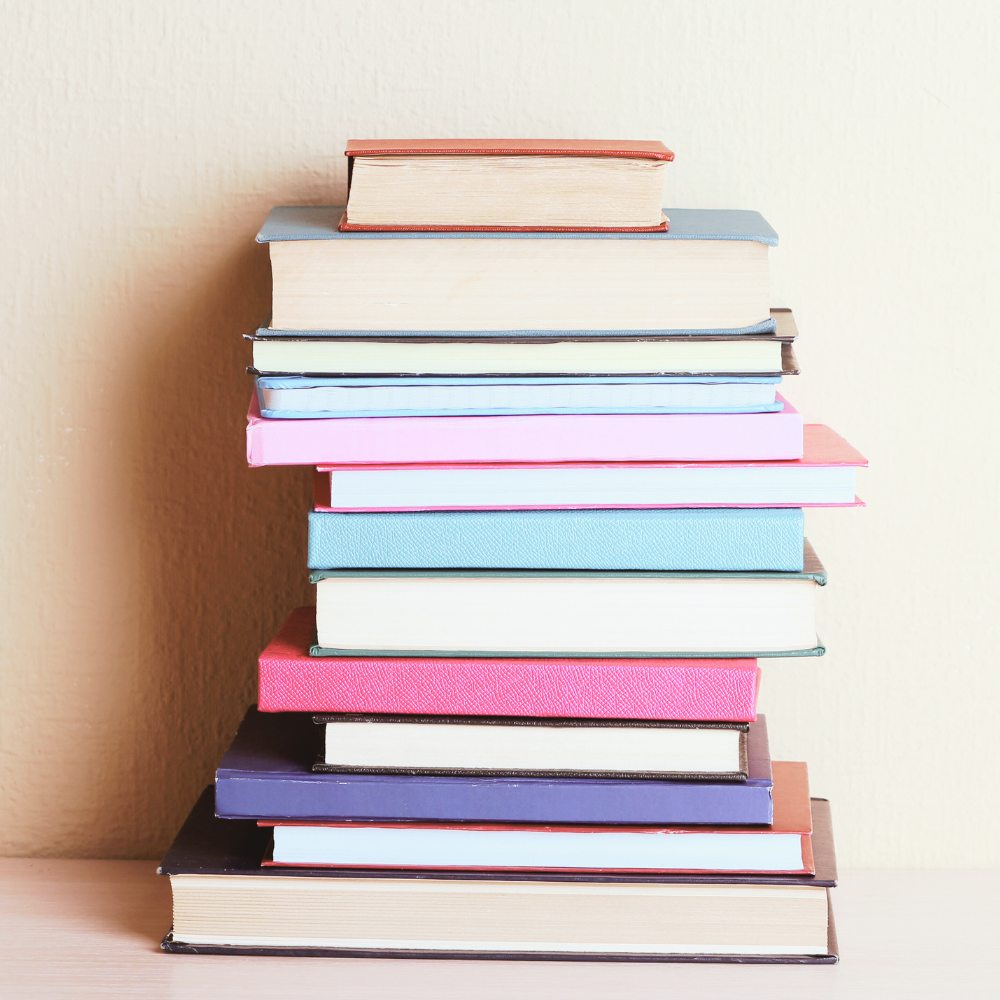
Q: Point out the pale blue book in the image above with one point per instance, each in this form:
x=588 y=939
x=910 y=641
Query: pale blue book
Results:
x=302 y=397
x=706 y=276
x=705 y=539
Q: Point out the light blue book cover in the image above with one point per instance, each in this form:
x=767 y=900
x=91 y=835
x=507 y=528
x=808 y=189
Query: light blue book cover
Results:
x=305 y=382
x=705 y=539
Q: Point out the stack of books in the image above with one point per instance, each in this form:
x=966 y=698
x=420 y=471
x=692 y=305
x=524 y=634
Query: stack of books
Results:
x=558 y=520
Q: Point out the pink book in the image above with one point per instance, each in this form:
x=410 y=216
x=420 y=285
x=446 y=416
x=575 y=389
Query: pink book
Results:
x=699 y=690
x=825 y=476
x=580 y=437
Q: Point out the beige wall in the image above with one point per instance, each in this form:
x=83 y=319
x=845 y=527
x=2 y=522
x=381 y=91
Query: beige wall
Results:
x=145 y=566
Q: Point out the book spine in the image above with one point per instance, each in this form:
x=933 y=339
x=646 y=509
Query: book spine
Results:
x=613 y=689
x=675 y=437
x=706 y=539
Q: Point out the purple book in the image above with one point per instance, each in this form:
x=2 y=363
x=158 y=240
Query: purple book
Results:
x=267 y=774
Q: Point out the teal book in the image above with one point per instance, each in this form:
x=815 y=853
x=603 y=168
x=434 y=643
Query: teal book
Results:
x=709 y=538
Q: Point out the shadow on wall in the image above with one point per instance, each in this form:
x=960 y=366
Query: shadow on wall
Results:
x=218 y=550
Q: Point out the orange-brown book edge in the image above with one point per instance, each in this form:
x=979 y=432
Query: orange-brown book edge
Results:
x=625 y=148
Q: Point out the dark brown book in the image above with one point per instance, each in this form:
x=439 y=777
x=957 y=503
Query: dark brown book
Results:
x=600 y=909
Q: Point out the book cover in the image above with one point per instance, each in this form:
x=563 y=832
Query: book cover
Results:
x=680 y=539
x=631 y=149
x=291 y=680
x=701 y=437
x=292 y=223
x=267 y=774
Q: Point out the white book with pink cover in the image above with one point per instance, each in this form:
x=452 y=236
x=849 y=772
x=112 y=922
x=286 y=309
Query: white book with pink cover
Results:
x=825 y=476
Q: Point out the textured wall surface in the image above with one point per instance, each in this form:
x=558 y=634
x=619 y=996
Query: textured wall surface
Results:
x=144 y=566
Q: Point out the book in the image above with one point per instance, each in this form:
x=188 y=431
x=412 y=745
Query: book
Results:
x=763 y=355
x=783 y=847
x=779 y=325
x=290 y=680
x=498 y=184
x=709 y=272
x=304 y=397
x=532 y=747
x=267 y=773
x=680 y=539
x=568 y=613
x=226 y=902
x=695 y=437
x=825 y=475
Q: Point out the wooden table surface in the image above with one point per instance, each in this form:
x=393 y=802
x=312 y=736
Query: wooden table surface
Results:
x=92 y=929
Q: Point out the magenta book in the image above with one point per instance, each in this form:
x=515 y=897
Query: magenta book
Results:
x=293 y=681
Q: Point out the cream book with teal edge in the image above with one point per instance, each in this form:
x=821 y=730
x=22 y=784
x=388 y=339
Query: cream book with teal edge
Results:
x=568 y=614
